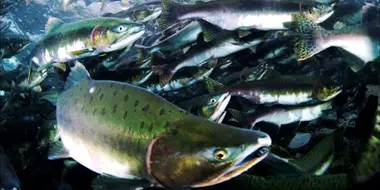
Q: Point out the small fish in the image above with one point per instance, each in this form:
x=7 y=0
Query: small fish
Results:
x=89 y=37
x=223 y=45
x=210 y=106
x=361 y=40
x=144 y=12
x=283 y=116
x=185 y=36
x=8 y=177
x=12 y=43
x=246 y=14
x=180 y=82
x=284 y=90
x=124 y=131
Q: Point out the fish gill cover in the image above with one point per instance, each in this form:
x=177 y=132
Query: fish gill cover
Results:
x=206 y=94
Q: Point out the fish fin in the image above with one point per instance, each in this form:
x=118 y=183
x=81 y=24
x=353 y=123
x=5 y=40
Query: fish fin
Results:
x=170 y=12
x=165 y=77
x=221 y=117
x=57 y=151
x=82 y=51
x=236 y=114
x=51 y=96
x=140 y=56
x=61 y=66
x=209 y=30
x=70 y=163
x=77 y=73
x=212 y=84
x=306 y=45
x=319 y=157
x=106 y=182
x=370 y=11
x=186 y=49
x=37 y=88
x=288 y=25
x=52 y=24
x=278 y=166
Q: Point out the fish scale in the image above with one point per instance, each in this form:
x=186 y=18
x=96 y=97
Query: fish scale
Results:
x=137 y=134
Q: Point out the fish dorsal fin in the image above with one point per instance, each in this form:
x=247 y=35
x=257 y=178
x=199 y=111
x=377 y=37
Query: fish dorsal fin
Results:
x=236 y=114
x=77 y=73
x=209 y=31
x=212 y=84
x=52 y=24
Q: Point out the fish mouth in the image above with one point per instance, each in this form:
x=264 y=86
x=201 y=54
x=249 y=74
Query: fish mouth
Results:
x=221 y=106
x=125 y=40
x=253 y=155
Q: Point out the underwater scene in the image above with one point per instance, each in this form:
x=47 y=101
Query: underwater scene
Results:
x=189 y=94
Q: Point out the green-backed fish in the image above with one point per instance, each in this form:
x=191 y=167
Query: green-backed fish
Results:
x=285 y=90
x=246 y=14
x=121 y=130
x=361 y=40
x=210 y=106
x=89 y=37
x=282 y=116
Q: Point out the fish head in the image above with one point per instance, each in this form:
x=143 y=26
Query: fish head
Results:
x=320 y=12
x=199 y=153
x=215 y=106
x=116 y=35
x=325 y=93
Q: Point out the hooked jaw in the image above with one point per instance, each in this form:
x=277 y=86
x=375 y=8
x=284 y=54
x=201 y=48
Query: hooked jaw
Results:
x=221 y=106
x=252 y=155
x=125 y=40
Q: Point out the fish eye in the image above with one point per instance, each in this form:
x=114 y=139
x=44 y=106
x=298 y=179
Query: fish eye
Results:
x=220 y=154
x=213 y=101
x=120 y=28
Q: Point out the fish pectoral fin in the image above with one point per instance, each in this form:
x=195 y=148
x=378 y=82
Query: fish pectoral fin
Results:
x=212 y=84
x=57 y=151
x=108 y=182
x=61 y=66
x=209 y=30
x=82 y=51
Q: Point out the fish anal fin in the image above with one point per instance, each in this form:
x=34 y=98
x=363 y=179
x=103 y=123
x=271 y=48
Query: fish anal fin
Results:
x=57 y=151
x=52 y=24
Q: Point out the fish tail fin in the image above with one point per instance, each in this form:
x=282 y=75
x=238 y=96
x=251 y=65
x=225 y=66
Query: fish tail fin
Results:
x=77 y=73
x=165 y=71
x=170 y=12
x=212 y=84
x=306 y=45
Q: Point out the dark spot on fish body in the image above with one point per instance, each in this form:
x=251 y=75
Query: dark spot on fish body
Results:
x=150 y=128
x=142 y=124
x=114 y=93
x=145 y=108
x=136 y=103
x=114 y=109
x=103 y=112
x=161 y=112
x=99 y=91
x=80 y=89
x=94 y=112
x=126 y=97
x=101 y=97
x=91 y=99
x=111 y=85
x=83 y=108
x=125 y=115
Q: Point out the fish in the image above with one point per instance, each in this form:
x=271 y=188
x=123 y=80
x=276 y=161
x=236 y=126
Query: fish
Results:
x=8 y=177
x=65 y=42
x=284 y=115
x=140 y=13
x=181 y=82
x=223 y=45
x=289 y=90
x=246 y=14
x=126 y=132
x=11 y=44
x=185 y=36
x=211 y=106
x=368 y=164
x=360 y=40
